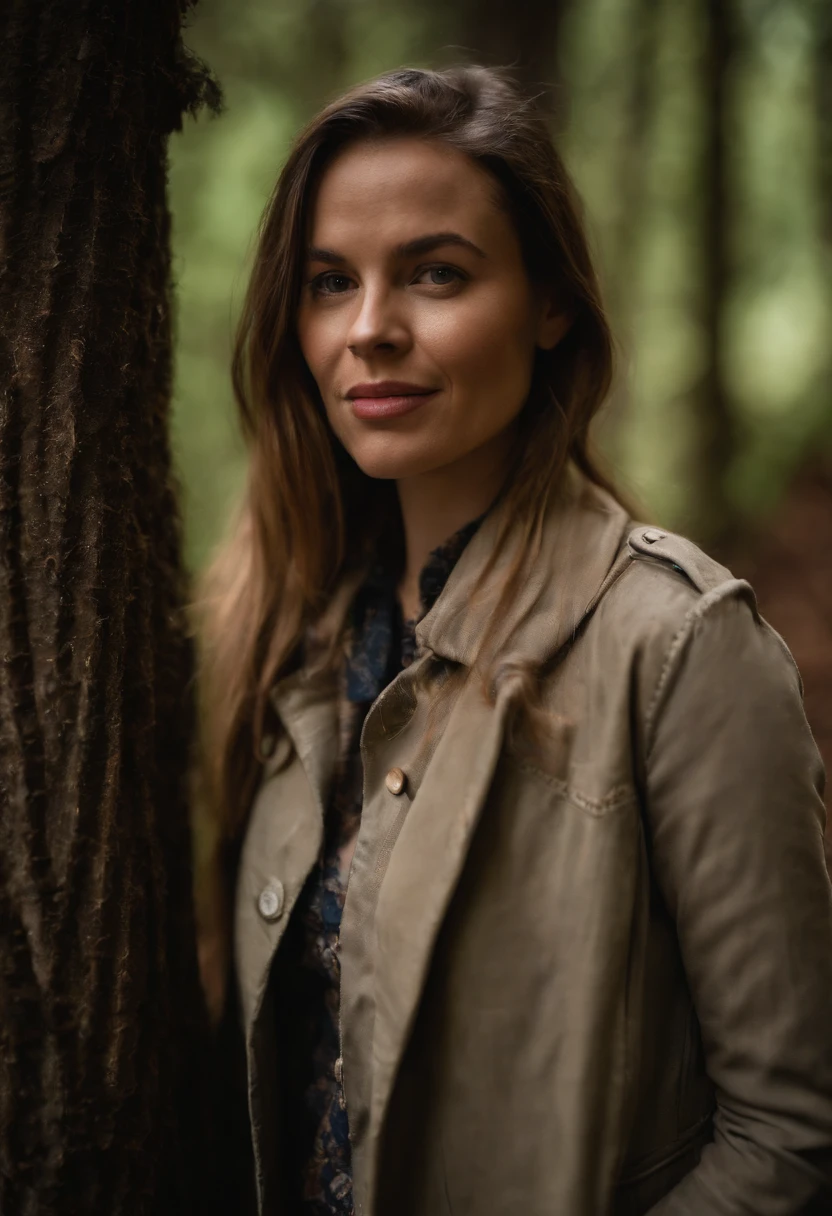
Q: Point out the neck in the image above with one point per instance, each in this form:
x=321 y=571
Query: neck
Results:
x=434 y=505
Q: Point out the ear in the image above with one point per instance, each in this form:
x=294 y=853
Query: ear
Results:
x=554 y=323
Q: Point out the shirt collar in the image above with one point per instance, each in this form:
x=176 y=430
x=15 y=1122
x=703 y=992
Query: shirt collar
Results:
x=374 y=613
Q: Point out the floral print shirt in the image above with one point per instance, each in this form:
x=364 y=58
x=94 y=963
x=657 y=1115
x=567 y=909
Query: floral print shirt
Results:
x=316 y=1132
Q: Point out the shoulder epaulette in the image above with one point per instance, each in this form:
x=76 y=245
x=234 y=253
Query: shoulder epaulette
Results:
x=680 y=555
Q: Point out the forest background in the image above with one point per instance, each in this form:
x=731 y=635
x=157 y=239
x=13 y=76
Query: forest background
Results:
x=700 y=137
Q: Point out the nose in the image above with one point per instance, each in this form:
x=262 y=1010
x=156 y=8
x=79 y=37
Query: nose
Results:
x=379 y=324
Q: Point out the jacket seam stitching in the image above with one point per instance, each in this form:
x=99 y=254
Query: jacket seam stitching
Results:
x=619 y=795
x=711 y=599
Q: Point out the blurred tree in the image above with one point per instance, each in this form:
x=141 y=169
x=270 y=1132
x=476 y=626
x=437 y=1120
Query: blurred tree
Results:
x=103 y=1037
x=503 y=33
x=715 y=432
x=822 y=81
x=638 y=112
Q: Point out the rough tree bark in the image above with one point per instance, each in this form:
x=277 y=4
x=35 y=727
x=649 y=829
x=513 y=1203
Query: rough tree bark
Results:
x=102 y=1028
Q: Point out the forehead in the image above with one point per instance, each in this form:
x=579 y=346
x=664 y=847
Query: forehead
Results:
x=388 y=191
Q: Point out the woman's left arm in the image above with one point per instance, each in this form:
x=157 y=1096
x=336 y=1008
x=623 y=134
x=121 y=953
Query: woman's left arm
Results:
x=735 y=812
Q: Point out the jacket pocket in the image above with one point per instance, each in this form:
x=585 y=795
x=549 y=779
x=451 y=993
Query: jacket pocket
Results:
x=695 y=1094
x=647 y=1180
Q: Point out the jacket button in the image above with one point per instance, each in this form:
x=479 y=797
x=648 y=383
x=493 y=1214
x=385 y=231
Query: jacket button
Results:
x=270 y=900
x=651 y=536
x=395 y=781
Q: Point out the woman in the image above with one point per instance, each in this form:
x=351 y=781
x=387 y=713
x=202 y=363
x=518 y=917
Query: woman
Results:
x=531 y=912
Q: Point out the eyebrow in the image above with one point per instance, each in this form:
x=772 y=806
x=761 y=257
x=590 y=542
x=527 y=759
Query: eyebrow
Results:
x=420 y=244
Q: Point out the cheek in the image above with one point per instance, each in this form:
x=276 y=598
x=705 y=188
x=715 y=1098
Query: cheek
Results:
x=321 y=346
x=485 y=345
x=320 y=339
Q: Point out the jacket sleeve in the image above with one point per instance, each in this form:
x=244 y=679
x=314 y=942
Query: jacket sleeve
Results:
x=735 y=824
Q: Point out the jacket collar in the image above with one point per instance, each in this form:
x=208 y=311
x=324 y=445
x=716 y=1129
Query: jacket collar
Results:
x=583 y=532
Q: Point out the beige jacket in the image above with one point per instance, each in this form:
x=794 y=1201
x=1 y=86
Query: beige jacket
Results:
x=593 y=977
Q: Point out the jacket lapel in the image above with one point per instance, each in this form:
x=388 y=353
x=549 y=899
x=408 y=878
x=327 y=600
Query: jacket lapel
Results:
x=420 y=879
x=285 y=829
x=308 y=710
x=307 y=704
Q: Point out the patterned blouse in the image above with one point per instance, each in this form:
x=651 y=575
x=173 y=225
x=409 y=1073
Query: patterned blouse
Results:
x=316 y=1133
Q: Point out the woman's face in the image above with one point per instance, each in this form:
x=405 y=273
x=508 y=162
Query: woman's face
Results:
x=417 y=318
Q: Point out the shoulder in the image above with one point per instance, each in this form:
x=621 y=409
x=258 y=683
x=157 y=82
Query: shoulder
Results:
x=662 y=582
x=669 y=604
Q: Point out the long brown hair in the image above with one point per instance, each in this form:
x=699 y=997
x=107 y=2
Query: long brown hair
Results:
x=308 y=517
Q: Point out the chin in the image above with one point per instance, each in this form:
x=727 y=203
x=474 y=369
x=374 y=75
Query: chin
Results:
x=394 y=461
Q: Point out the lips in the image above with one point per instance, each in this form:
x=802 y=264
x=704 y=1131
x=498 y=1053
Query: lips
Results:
x=388 y=388
x=387 y=398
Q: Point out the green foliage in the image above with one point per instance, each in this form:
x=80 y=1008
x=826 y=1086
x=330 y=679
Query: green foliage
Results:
x=632 y=73
x=778 y=311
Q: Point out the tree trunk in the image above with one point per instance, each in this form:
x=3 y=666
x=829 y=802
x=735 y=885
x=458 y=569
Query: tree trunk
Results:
x=102 y=1028
x=716 y=443
x=823 y=115
x=519 y=36
x=625 y=239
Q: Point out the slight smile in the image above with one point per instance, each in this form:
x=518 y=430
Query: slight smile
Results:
x=387 y=398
